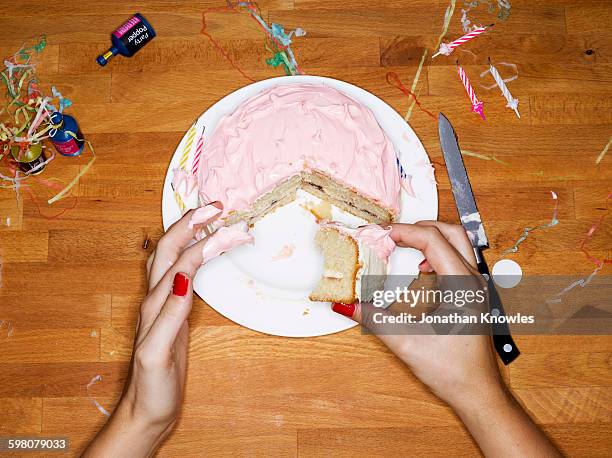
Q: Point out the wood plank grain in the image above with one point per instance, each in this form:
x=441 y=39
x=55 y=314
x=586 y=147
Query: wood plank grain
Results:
x=11 y=212
x=79 y=88
x=215 y=84
x=315 y=400
x=33 y=7
x=533 y=18
x=560 y=344
x=562 y=370
x=109 y=277
x=75 y=417
x=50 y=345
x=352 y=440
x=533 y=78
x=573 y=440
x=87 y=212
x=563 y=405
x=24 y=246
x=570 y=109
x=587 y=18
x=522 y=48
x=20 y=415
x=364 y=22
x=93 y=28
x=43 y=311
x=61 y=379
x=235 y=442
x=47 y=61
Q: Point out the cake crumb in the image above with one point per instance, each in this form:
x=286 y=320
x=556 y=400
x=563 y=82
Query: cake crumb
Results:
x=306 y=311
x=322 y=211
x=93 y=333
x=285 y=252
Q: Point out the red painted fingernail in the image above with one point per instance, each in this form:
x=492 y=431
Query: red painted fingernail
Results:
x=344 y=309
x=180 y=285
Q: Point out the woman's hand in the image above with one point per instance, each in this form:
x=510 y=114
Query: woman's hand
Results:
x=460 y=369
x=152 y=399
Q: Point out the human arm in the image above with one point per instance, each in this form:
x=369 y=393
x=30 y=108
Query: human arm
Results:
x=460 y=369
x=153 y=394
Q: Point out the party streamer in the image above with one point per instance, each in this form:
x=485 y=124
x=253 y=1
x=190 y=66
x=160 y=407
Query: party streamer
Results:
x=582 y=282
x=501 y=83
x=603 y=152
x=483 y=156
x=553 y=222
x=417 y=75
x=448 y=14
x=503 y=12
x=279 y=40
x=394 y=80
x=591 y=233
x=96 y=379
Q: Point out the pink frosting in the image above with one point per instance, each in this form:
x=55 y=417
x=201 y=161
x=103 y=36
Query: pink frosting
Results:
x=203 y=214
x=289 y=128
x=372 y=235
x=377 y=239
x=224 y=239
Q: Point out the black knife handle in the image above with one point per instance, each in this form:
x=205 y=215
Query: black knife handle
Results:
x=502 y=340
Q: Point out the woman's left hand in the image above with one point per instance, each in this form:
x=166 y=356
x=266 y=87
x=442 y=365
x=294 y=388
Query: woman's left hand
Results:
x=154 y=391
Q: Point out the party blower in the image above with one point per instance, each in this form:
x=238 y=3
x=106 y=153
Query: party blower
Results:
x=470 y=219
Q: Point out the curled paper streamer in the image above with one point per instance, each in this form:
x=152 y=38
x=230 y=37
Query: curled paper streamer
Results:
x=484 y=156
x=501 y=83
x=394 y=80
x=279 y=39
x=603 y=152
x=9 y=324
x=448 y=14
x=60 y=195
x=591 y=233
x=582 y=282
x=505 y=80
x=502 y=9
x=96 y=379
x=553 y=222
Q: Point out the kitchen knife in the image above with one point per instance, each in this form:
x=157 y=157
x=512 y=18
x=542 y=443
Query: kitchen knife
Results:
x=470 y=219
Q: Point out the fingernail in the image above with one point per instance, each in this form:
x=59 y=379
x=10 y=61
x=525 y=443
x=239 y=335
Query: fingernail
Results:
x=180 y=285
x=344 y=309
x=422 y=262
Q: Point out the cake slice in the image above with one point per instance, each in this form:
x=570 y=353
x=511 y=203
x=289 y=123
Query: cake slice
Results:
x=355 y=262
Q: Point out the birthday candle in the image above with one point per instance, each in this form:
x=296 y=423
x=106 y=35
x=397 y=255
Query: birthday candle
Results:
x=187 y=148
x=512 y=102
x=447 y=48
x=198 y=152
x=476 y=104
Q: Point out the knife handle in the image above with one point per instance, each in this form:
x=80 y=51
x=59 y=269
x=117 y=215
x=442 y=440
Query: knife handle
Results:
x=502 y=340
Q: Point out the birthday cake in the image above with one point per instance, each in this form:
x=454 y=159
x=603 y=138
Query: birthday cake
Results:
x=310 y=137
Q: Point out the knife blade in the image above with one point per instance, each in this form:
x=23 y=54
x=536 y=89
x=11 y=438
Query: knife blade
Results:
x=472 y=223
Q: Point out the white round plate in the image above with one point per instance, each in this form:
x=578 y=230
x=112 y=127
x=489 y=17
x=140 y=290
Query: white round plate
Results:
x=255 y=285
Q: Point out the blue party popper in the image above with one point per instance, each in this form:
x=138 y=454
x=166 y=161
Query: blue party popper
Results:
x=129 y=38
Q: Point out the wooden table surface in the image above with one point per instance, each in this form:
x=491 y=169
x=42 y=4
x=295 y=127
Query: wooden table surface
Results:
x=71 y=284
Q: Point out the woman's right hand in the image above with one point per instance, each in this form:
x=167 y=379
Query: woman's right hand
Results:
x=452 y=366
x=461 y=370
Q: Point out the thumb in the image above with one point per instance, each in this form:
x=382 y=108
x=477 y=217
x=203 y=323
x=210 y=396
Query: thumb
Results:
x=376 y=321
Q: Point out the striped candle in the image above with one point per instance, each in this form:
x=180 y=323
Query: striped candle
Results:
x=187 y=148
x=476 y=104
x=447 y=48
x=198 y=152
x=512 y=102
